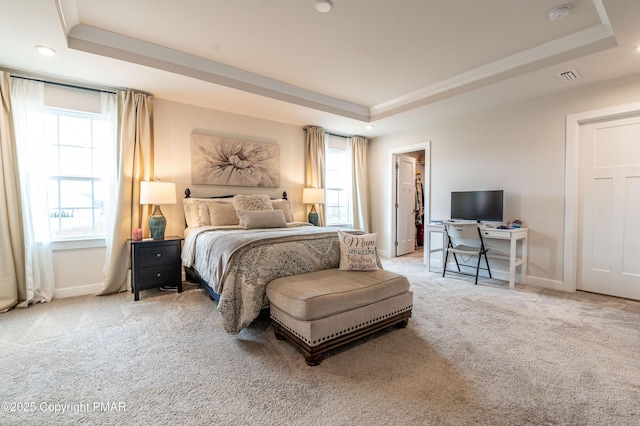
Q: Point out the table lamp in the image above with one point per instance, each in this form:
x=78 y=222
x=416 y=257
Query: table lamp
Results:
x=313 y=196
x=157 y=193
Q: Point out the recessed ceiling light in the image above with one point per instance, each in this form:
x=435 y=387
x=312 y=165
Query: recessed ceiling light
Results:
x=46 y=50
x=369 y=126
x=324 y=6
x=559 y=13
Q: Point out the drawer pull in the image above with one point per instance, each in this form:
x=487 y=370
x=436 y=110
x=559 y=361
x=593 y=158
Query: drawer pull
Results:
x=159 y=274
x=158 y=254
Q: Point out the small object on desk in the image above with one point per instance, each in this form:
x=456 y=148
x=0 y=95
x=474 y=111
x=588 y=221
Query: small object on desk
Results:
x=503 y=227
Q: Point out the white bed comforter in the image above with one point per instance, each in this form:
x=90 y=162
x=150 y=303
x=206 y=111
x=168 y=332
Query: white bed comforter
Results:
x=238 y=264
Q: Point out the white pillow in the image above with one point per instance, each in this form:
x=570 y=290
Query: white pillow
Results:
x=285 y=207
x=188 y=206
x=259 y=219
x=358 y=252
x=196 y=212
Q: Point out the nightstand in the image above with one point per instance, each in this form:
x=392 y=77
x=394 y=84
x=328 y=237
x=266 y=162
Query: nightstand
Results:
x=156 y=263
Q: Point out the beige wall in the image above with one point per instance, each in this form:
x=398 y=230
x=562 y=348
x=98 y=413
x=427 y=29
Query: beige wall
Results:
x=518 y=148
x=79 y=271
x=173 y=124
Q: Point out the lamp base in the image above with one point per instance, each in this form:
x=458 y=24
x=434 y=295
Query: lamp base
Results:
x=313 y=218
x=157 y=224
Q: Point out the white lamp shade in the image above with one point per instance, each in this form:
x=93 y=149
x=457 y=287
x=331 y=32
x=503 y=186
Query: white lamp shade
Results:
x=157 y=192
x=313 y=196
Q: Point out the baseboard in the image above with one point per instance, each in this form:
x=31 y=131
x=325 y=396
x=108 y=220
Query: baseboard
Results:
x=547 y=283
x=61 y=293
x=83 y=290
x=504 y=276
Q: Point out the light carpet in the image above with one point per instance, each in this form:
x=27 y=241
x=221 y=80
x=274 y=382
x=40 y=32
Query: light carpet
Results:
x=471 y=355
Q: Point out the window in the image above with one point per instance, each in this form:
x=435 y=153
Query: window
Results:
x=78 y=151
x=338 y=182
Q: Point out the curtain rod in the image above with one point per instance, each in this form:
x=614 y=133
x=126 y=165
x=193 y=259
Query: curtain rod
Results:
x=68 y=84
x=329 y=133
x=71 y=86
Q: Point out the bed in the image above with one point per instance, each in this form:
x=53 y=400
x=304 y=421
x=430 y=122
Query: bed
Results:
x=234 y=253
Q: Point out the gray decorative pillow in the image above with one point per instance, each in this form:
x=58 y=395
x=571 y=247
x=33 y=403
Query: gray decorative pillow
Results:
x=222 y=213
x=285 y=207
x=259 y=219
x=358 y=252
x=252 y=202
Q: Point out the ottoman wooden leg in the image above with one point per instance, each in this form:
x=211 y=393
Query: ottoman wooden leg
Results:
x=403 y=323
x=313 y=359
x=279 y=335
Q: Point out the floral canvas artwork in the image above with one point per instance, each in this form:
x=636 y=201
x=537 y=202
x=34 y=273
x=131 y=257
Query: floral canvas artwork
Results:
x=234 y=162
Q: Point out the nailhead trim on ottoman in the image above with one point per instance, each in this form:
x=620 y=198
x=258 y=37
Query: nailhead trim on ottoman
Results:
x=325 y=309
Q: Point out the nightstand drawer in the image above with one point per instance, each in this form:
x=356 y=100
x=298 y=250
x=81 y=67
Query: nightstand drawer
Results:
x=159 y=275
x=158 y=255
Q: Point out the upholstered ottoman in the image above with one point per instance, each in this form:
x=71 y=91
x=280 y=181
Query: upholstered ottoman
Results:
x=321 y=310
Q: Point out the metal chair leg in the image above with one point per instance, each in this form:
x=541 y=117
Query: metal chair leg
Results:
x=446 y=259
x=486 y=259
x=457 y=264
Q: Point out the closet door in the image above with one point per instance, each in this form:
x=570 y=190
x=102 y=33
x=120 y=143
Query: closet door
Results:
x=405 y=203
x=609 y=203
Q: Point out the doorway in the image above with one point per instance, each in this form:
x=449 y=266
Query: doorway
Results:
x=405 y=204
x=583 y=214
x=409 y=166
x=609 y=206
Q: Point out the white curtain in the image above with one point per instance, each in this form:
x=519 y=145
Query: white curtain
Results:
x=360 y=184
x=134 y=163
x=27 y=100
x=109 y=103
x=315 y=163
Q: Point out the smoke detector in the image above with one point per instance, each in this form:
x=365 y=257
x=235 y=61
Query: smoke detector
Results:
x=559 y=13
x=323 y=6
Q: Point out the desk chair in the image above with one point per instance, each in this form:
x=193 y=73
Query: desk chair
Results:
x=465 y=239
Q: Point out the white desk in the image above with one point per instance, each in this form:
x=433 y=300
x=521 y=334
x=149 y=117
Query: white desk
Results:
x=516 y=237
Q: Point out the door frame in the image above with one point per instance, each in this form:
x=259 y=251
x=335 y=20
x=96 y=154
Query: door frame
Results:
x=400 y=200
x=572 y=181
x=426 y=187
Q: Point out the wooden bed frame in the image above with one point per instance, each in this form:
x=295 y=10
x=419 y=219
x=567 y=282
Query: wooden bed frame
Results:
x=190 y=273
x=187 y=194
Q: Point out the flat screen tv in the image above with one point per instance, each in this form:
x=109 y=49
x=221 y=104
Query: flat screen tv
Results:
x=477 y=205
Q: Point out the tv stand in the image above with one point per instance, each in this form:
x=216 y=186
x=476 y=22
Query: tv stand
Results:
x=517 y=242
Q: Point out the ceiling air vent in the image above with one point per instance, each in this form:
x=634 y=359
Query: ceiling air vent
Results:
x=569 y=75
